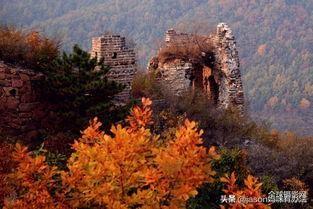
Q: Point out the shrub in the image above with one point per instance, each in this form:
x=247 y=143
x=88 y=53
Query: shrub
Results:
x=35 y=182
x=251 y=189
x=294 y=184
x=29 y=49
x=127 y=169
x=223 y=127
x=194 y=48
x=209 y=195
x=145 y=85
x=290 y=157
x=268 y=184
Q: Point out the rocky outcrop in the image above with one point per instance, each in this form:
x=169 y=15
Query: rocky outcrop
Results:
x=218 y=74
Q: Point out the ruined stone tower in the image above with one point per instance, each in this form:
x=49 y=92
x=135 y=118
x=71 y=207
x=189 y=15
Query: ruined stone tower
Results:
x=120 y=58
x=213 y=66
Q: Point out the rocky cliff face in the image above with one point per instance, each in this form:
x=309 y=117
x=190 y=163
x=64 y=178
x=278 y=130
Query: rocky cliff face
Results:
x=217 y=73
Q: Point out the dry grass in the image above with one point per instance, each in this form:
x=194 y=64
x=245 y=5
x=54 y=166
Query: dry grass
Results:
x=29 y=49
x=195 y=49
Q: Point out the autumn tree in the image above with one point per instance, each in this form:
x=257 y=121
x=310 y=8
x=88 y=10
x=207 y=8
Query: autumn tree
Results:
x=35 y=183
x=251 y=189
x=129 y=168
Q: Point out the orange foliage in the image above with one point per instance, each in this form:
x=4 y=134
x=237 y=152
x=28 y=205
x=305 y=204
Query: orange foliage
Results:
x=30 y=49
x=294 y=184
x=140 y=117
x=127 y=169
x=304 y=103
x=262 y=49
x=6 y=166
x=252 y=189
x=273 y=101
x=34 y=181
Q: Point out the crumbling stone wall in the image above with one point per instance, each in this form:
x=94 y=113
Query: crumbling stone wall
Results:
x=171 y=35
x=231 y=90
x=221 y=80
x=21 y=114
x=120 y=58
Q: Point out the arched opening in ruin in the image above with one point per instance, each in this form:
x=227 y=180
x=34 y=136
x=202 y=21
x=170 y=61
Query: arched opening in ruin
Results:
x=206 y=78
x=209 y=85
x=214 y=89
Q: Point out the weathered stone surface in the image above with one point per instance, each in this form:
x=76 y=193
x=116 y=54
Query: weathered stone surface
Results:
x=10 y=91
x=228 y=62
x=25 y=115
x=28 y=97
x=221 y=81
x=5 y=83
x=2 y=76
x=24 y=77
x=27 y=107
x=174 y=76
x=16 y=83
x=121 y=59
x=39 y=113
x=12 y=103
x=18 y=102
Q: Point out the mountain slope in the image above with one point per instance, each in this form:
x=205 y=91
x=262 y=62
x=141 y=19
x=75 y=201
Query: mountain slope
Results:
x=274 y=38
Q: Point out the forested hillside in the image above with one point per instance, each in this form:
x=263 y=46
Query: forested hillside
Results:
x=275 y=40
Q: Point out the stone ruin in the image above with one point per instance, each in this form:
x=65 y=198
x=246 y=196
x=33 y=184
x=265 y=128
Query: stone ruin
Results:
x=21 y=113
x=119 y=57
x=218 y=76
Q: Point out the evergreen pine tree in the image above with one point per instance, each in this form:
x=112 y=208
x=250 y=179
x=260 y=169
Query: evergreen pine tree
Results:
x=77 y=85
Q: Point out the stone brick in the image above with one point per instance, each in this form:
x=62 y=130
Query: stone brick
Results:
x=17 y=83
x=27 y=107
x=3 y=101
x=39 y=113
x=26 y=89
x=28 y=97
x=24 y=77
x=12 y=103
x=26 y=115
x=5 y=83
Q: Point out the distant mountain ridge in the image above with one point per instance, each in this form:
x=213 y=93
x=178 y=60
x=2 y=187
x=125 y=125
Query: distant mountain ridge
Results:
x=274 y=39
